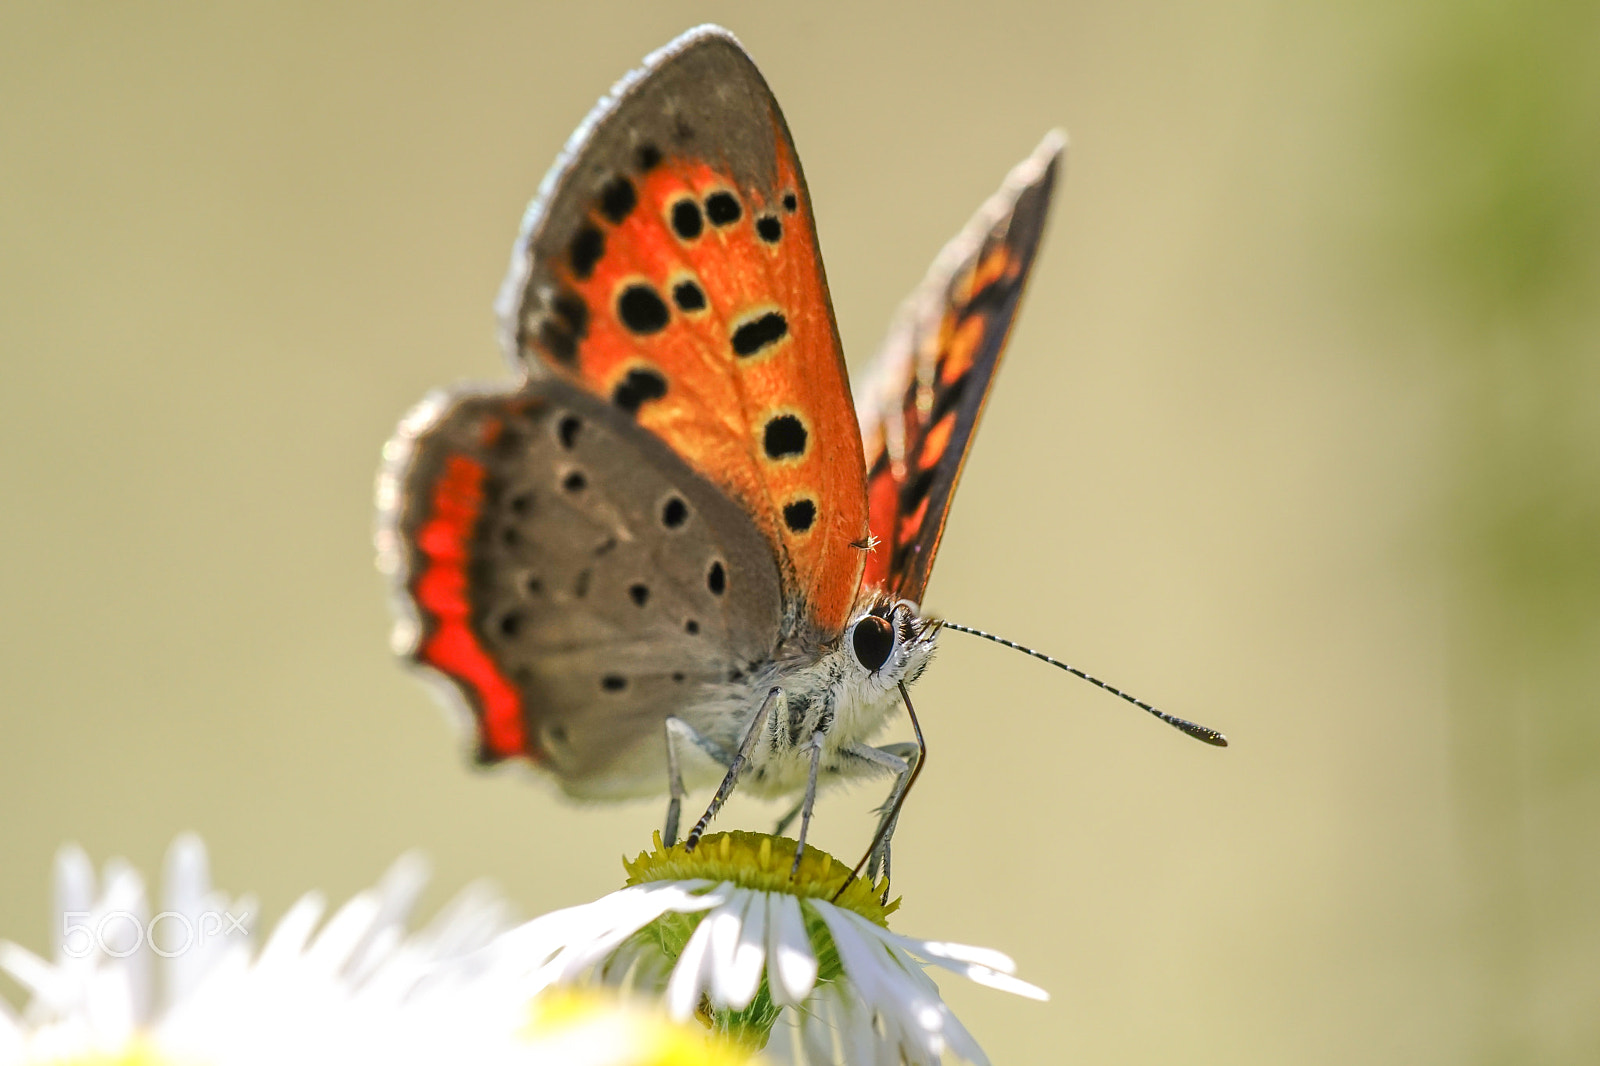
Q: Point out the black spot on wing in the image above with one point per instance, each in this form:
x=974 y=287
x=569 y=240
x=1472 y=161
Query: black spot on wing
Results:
x=689 y=296
x=790 y=203
x=717 y=578
x=687 y=221
x=640 y=385
x=587 y=246
x=799 y=515
x=618 y=199
x=674 y=513
x=647 y=157
x=784 y=437
x=642 y=310
x=723 y=209
x=769 y=229
x=760 y=333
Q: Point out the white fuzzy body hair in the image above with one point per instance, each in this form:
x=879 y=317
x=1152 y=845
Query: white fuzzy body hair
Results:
x=826 y=690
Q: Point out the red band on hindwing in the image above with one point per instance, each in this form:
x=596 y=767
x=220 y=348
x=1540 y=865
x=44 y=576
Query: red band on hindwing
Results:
x=441 y=592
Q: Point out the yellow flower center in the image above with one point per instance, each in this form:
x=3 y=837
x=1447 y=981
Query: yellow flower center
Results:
x=572 y=1025
x=137 y=1053
x=763 y=863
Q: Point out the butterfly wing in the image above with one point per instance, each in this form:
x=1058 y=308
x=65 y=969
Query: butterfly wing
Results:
x=571 y=578
x=670 y=267
x=931 y=378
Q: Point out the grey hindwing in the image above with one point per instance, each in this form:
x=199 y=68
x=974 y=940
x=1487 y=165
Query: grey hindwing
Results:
x=607 y=581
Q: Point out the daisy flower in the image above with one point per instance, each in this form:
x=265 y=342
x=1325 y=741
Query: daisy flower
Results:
x=804 y=965
x=189 y=984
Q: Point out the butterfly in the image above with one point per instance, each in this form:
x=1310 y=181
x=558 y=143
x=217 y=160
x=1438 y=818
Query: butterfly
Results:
x=672 y=551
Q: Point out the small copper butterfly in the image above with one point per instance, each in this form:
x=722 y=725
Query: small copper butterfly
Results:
x=672 y=551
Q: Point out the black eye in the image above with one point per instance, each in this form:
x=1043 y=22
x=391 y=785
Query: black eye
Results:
x=873 y=639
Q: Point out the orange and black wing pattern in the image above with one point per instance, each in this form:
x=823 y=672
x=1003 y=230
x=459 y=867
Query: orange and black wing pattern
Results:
x=670 y=266
x=927 y=391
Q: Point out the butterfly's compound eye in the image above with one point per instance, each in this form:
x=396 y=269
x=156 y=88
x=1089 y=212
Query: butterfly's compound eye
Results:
x=873 y=640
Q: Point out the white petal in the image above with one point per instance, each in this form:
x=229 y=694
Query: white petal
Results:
x=725 y=922
x=398 y=890
x=1004 y=982
x=350 y=925
x=185 y=875
x=473 y=918
x=687 y=983
x=980 y=965
x=109 y=1003
x=10 y=1034
x=792 y=968
x=288 y=940
x=642 y=905
x=121 y=931
x=952 y=1034
x=858 y=1036
x=74 y=893
x=737 y=974
x=562 y=944
x=186 y=891
x=956 y=1037
x=30 y=971
x=818 y=1026
x=988 y=958
x=912 y=1012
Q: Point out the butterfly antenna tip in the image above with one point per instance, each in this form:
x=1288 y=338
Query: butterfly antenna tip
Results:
x=1183 y=725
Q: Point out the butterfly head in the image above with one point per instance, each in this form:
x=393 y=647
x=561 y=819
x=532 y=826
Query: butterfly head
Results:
x=890 y=641
x=887 y=642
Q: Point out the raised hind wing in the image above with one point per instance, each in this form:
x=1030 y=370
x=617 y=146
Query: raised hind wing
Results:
x=928 y=385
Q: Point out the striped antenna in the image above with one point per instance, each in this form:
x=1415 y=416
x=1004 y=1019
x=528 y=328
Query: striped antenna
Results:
x=1183 y=725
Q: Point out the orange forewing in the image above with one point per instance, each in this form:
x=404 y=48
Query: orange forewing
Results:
x=717 y=404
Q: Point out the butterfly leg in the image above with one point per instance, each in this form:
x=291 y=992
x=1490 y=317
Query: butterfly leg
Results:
x=911 y=754
x=808 y=802
x=681 y=733
x=772 y=705
x=900 y=760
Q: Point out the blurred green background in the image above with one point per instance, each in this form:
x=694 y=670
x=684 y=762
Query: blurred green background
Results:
x=1299 y=436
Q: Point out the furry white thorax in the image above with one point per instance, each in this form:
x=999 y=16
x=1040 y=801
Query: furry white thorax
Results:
x=832 y=693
